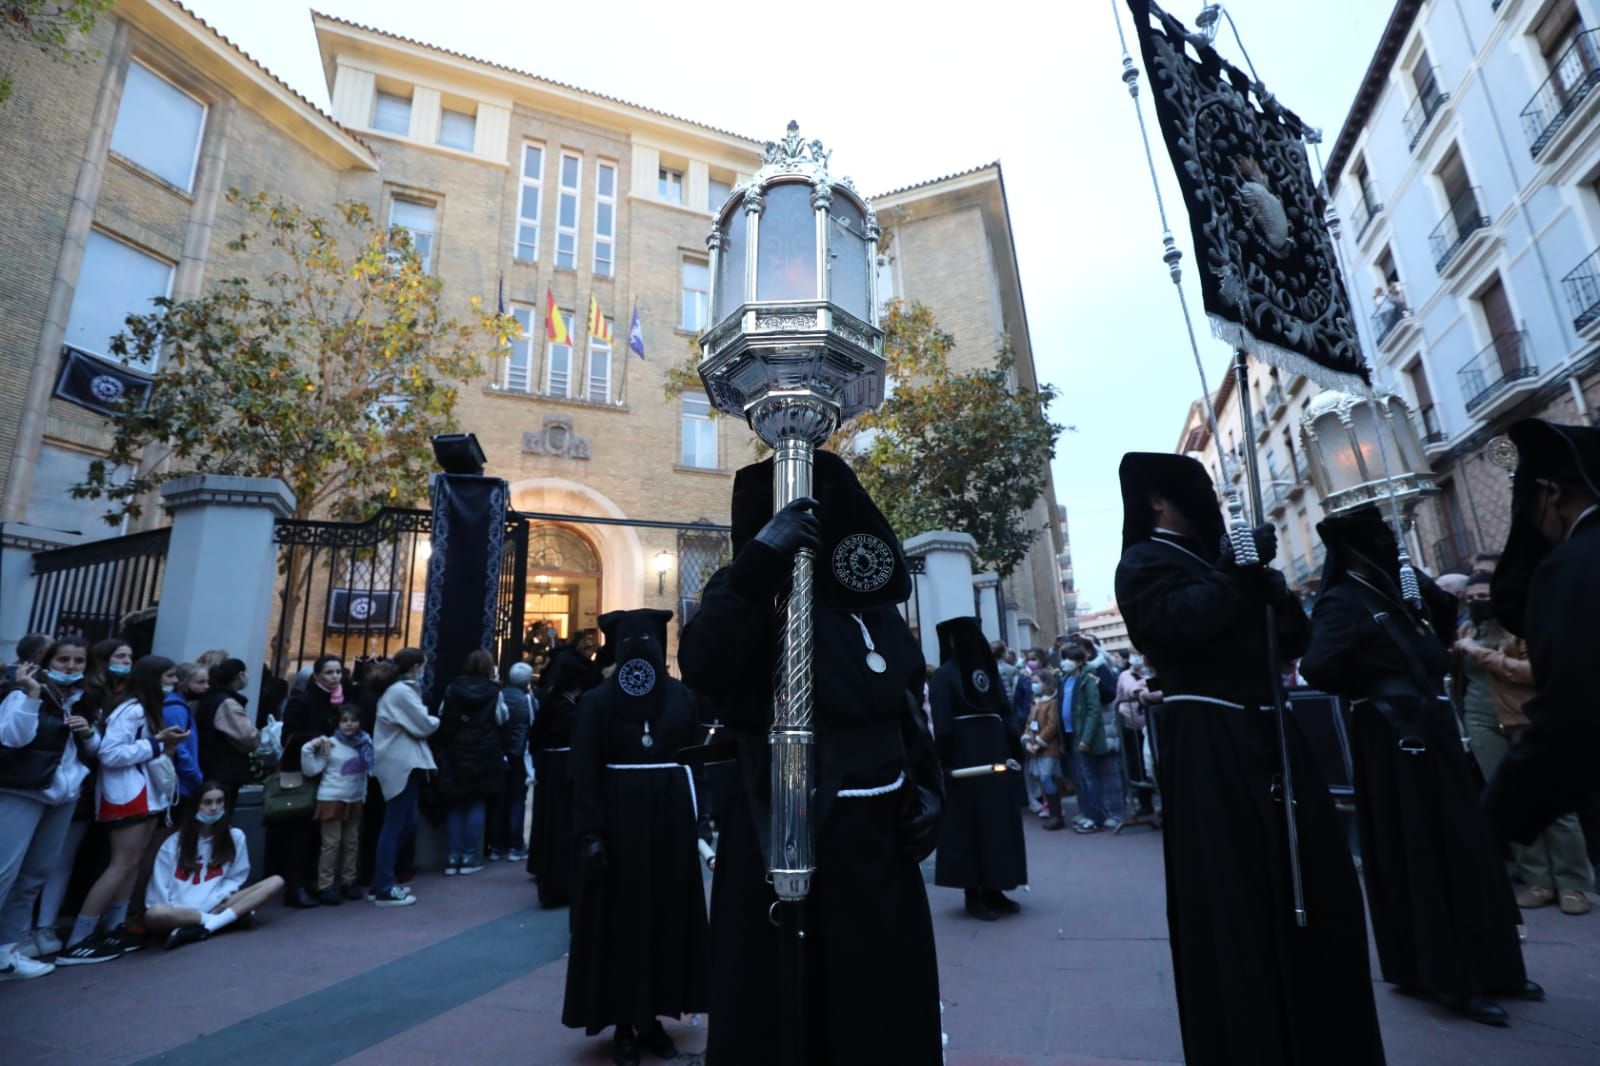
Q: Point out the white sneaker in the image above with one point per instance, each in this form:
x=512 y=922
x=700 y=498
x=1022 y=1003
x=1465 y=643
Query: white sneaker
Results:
x=25 y=948
x=46 y=941
x=15 y=967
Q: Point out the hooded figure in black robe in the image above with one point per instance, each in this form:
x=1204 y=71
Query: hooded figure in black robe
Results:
x=1443 y=914
x=873 y=993
x=552 y=848
x=1545 y=590
x=639 y=914
x=1254 y=988
x=981 y=848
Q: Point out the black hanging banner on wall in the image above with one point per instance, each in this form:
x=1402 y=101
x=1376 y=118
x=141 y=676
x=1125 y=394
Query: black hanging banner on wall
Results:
x=102 y=387
x=1267 y=265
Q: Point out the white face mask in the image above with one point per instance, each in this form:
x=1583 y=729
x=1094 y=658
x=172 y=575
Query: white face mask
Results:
x=1038 y=689
x=1068 y=666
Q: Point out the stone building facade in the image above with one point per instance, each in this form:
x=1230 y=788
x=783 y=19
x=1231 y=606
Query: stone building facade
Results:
x=513 y=187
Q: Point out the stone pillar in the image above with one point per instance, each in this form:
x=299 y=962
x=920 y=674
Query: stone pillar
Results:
x=944 y=590
x=18 y=542
x=221 y=567
x=987 y=588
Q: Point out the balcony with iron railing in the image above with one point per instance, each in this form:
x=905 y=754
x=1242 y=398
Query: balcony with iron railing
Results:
x=1432 y=429
x=1387 y=315
x=1419 y=116
x=1582 y=285
x=1573 y=79
x=1275 y=401
x=1366 y=210
x=1498 y=368
x=1464 y=218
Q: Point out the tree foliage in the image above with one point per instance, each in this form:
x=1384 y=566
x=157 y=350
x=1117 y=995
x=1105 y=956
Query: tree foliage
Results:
x=331 y=371
x=49 y=26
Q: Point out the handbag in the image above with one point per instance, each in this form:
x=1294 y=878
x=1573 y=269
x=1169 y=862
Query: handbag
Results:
x=287 y=795
x=163 y=780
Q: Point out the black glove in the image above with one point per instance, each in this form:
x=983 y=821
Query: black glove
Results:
x=592 y=855
x=1265 y=537
x=917 y=832
x=793 y=528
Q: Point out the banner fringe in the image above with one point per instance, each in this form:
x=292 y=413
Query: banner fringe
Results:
x=1241 y=338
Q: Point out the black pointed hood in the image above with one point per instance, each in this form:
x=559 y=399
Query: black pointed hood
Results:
x=636 y=688
x=1360 y=535
x=861 y=563
x=608 y=629
x=1178 y=478
x=964 y=649
x=568 y=669
x=1568 y=454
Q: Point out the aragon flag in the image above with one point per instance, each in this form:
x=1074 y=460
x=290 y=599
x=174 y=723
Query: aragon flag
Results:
x=1268 y=269
x=104 y=387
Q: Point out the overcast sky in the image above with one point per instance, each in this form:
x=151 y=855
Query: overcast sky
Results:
x=904 y=92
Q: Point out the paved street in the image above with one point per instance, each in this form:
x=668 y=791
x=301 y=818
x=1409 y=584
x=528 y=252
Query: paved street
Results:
x=474 y=973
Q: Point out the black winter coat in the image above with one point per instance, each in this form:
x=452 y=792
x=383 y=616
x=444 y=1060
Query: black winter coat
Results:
x=467 y=745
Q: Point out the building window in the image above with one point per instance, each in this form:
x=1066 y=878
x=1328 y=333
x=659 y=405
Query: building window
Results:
x=417 y=219
x=457 y=129
x=696 y=294
x=391 y=113
x=605 y=219
x=117 y=280
x=51 y=504
x=699 y=432
x=529 y=196
x=519 y=361
x=599 y=371
x=717 y=193
x=158 y=126
x=669 y=185
x=558 y=369
x=567 y=213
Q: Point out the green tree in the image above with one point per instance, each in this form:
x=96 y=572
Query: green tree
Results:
x=49 y=26
x=331 y=372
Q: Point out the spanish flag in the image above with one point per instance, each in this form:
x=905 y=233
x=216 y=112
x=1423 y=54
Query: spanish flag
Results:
x=599 y=324
x=555 y=323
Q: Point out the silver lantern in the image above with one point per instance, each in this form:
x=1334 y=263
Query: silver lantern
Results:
x=1365 y=450
x=794 y=348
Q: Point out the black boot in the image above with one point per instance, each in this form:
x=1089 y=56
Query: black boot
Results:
x=1481 y=1010
x=625 y=1047
x=301 y=898
x=1052 y=805
x=1000 y=903
x=978 y=907
x=655 y=1040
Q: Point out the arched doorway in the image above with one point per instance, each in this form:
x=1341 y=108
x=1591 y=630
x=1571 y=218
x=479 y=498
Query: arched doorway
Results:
x=564 y=585
x=617 y=546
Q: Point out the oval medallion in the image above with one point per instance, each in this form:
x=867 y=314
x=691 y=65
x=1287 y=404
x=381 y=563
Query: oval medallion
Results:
x=980 y=680
x=876 y=663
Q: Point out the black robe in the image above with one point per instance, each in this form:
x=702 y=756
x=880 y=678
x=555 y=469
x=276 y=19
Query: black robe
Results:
x=980 y=834
x=1253 y=988
x=1443 y=914
x=551 y=849
x=639 y=924
x=874 y=984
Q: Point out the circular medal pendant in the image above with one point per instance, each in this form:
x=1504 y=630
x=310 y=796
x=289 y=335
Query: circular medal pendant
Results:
x=876 y=663
x=647 y=740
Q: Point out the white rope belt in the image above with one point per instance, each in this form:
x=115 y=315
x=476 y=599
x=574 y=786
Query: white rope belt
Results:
x=965 y=717
x=1213 y=701
x=694 y=800
x=869 y=793
x=542 y=750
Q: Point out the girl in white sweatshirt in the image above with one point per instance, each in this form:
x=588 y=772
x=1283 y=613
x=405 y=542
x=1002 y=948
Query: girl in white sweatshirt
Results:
x=344 y=760
x=196 y=887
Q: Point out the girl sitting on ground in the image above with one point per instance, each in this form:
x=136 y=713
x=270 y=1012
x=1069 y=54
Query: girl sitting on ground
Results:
x=343 y=760
x=195 y=887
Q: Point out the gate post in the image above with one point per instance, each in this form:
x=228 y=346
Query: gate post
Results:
x=18 y=542
x=986 y=587
x=221 y=563
x=945 y=589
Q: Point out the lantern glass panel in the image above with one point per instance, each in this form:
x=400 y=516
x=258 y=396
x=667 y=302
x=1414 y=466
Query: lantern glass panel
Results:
x=847 y=257
x=1409 y=443
x=786 y=264
x=730 y=264
x=1364 y=419
x=1338 y=458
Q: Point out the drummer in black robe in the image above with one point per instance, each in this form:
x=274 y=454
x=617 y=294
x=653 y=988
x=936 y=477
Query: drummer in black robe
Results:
x=873 y=984
x=639 y=915
x=981 y=849
x=1443 y=913
x=1254 y=988
x=552 y=848
x=1545 y=590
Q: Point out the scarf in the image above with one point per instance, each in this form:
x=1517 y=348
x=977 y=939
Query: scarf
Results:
x=361 y=762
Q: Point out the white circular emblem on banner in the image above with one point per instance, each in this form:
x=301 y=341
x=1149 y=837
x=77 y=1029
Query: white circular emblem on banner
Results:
x=106 y=388
x=360 y=608
x=980 y=680
x=636 y=677
x=863 y=563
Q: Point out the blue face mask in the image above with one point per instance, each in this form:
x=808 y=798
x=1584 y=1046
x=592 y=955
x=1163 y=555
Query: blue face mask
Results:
x=119 y=669
x=64 y=679
x=209 y=817
x=166 y=690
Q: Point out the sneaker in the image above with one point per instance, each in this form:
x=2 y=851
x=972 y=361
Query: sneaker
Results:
x=470 y=865
x=92 y=949
x=124 y=939
x=452 y=866
x=1083 y=825
x=46 y=941
x=496 y=855
x=1110 y=823
x=15 y=967
x=329 y=897
x=395 y=897
x=185 y=934
x=1537 y=896
x=25 y=948
x=350 y=892
x=1574 y=902
x=517 y=855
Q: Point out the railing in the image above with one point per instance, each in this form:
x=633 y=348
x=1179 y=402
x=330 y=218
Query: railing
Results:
x=1432 y=430
x=1302 y=469
x=1275 y=399
x=101 y=589
x=1574 y=76
x=1363 y=214
x=1389 y=313
x=1582 y=285
x=1504 y=361
x=1452 y=551
x=1464 y=219
x=1430 y=98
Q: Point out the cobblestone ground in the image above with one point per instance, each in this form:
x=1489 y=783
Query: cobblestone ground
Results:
x=474 y=972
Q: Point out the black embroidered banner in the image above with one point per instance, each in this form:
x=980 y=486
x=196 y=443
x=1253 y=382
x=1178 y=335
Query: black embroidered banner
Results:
x=469 y=525
x=102 y=387
x=1267 y=265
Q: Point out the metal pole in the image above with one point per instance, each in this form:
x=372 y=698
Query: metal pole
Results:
x=1241 y=369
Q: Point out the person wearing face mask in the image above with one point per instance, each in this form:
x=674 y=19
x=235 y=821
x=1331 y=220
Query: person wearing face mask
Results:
x=177 y=710
x=44 y=744
x=1132 y=700
x=1498 y=681
x=293 y=844
x=1042 y=738
x=197 y=884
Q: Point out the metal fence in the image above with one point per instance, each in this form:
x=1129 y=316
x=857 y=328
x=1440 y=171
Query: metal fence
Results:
x=100 y=589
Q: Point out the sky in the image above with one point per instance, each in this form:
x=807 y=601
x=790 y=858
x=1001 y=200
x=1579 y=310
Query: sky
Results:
x=903 y=92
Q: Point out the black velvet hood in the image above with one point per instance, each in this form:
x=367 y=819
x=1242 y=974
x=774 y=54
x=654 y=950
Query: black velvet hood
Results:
x=1178 y=478
x=569 y=669
x=1361 y=535
x=861 y=564
x=608 y=630
x=962 y=643
x=1544 y=450
x=634 y=692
